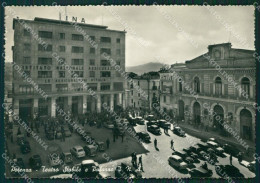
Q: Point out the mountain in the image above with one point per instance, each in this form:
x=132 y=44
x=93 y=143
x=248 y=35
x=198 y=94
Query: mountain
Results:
x=141 y=69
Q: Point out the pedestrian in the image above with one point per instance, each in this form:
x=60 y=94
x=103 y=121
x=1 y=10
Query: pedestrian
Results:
x=12 y=138
x=155 y=143
x=114 y=136
x=123 y=137
x=19 y=131
x=108 y=142
x=172 y=144
x=230 y=159
x=239 y=157
x=141 y=163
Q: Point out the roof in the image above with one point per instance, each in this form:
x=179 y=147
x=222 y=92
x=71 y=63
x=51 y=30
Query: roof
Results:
x=88 y=161
x=176 y=157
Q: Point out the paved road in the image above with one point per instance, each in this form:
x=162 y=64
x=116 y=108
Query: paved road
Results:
x=155 y=163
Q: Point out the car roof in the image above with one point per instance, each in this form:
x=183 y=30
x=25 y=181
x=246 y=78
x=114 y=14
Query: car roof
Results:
x=176 y=157
x=212 y=143
x=88 y=161
x=155 y=126
x=77 y=147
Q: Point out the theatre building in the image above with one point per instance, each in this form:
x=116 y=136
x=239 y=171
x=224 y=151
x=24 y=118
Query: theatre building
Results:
x=80 y=47
x=206 y=93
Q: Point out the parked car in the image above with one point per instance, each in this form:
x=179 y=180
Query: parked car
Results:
x=90 y=150
x=212 y=145
x=150 y=118
x=132 y=121
x=92 y=123
x=67 y=133
x=203 y=155
x=58 y=135
x=78 y=151
x=195 y=157
x=203 y=146
x=176 y=161
x=66 y=157
x=109 y=125
x=230 y=149
x=178 y=131
x=212 y=140
x=20 y=139
x=25 y=147
x=140 y=120
x=50 y=135
x=54 y=159
x=200 y=172
x=164 y=124
x=252 y=166
x=230 y=171
x=100 y=146
x=195 y=149
x=219 y=151
x=144 y=136
x=153 y=122
x=182 y=154
x=154 y=129
x=189 y=161
x=18 y=163
x=35 y=162
x=89 y=169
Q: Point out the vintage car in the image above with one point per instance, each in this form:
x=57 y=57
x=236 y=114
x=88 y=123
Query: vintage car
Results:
x=176 y=161
x=54 y=159
x=25 y=147
x=100 y=146
x=154 y=129
x=153 y=122
x=90 y=150
x=252 y=166
x=78 y=151
x=66 y=157
x=150 y=118
x=178 y=131
x=127 y=171
x=89 y=169
x=140 y=120
x=35 y=162
x=144 y=136
x=20 y=139
x=164 y=124
x=201 y=172
x=230 y=171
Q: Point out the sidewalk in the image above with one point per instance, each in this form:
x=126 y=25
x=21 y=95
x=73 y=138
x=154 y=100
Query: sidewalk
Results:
x=204 y=136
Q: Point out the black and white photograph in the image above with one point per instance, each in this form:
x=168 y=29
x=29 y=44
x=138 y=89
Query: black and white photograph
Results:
x=130 y=92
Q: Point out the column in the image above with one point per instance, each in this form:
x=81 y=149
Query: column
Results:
x=69 y=104
x=53 y=106
x=98 y=103
x=84 y=104
x=35 y=105
x=120 y=98
x=16 y=106
x=112 y=102
x=124 y=102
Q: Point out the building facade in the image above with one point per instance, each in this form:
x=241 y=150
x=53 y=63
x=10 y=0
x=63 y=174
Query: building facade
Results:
x=216 y=87
x=69 y=52
x=149 y=87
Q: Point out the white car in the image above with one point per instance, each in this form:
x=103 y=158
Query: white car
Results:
x=176 y=161
x=78 y=151
x=54 y=159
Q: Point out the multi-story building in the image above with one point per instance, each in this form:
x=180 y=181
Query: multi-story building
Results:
x=214 y=87
x=149 y=86
x=68 y=42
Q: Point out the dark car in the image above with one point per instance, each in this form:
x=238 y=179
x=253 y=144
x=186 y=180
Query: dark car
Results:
x=230 y=149
x=152 y=123
x=154 y=129
x=178 y=131
x=200 y=172
x=18 y=164
x=132 y=121
x=164 y=124
x=50 y=135
x=182 y=154
x=150 y=118
x=203 y=146
x=140 y=120
x=25 y=147
x=230 y=171
x=66 y=157
x=35 y=162
x=144 y=136
x=125 y=170
x=195 y=149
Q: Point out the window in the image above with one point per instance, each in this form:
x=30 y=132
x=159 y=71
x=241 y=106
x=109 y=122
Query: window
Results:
x=245 y=85
x=45 y=87
x=77 y=87
x=42 y=48
x=45 y=34
x=138 y=94
x=118 y=86
x=61 y=74
x=105 y=50
x=197 y=85
x=92 y=38
x=164 y=98
x=77 y=62
x=92 y=74
x=62 y=48
x=62 y=87
x=76 y=49
x=118 y=51
x=44 y=61
x=180 y=86
x=218 y=86
x=27 y=47
x=25 y=89
x=105 y=74
x=77 y=37
x=105 y=40
x=62 y=35
x=78 y=74
x=92 y=86
x=105 y=87
x=118 y=40
x=118 y=62
x=92 y=62
x=92 y=50
x=26 y=60
x=104 y=63
x=26 y=32
x=61 y=61
x=44 y=74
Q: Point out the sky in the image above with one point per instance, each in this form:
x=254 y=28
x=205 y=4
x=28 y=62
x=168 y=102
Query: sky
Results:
x=165 y=34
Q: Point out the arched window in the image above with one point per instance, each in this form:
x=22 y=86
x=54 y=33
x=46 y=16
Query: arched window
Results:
x=218 y=86
x=245 y=85
x=197 y=84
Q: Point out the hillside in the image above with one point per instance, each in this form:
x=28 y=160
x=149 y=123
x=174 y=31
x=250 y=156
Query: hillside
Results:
x=141 y=69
